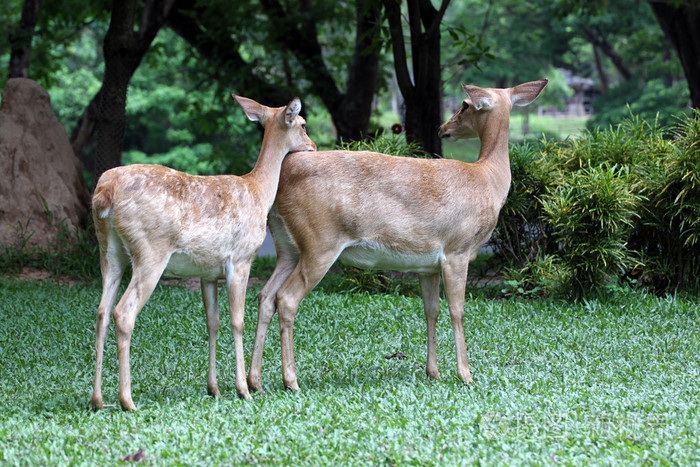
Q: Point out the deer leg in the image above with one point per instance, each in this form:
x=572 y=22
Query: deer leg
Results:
x=211 y=306
x=144 y=279
x=305 y=276
x=266 y=310
x=112 y=271
x=236 y=283
x=454 y=272
x=430 y=289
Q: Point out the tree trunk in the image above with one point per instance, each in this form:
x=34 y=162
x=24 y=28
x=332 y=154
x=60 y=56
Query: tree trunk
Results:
x=120 y=52
x=21 y=40
x=123 y=50
x=680 y=23
x=351 y=117
x=421 y=91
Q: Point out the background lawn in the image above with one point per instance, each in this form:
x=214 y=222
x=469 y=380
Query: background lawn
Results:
x=613 y=382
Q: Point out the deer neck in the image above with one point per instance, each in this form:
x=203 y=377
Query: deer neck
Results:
x=266 y=173
x=493 y=156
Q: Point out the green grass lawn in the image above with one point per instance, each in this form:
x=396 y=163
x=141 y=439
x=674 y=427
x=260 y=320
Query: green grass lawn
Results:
x=594 y=382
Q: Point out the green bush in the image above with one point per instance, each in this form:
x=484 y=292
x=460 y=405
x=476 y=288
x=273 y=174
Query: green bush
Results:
x=591 y=214
x=386 y=143
x=620 y=203
x=522 y=235
x=544 y=276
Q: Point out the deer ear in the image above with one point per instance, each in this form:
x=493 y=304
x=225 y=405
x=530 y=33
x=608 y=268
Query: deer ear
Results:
x=254 y=111
x=525 y=93
x=292 y=111
x=481 y=99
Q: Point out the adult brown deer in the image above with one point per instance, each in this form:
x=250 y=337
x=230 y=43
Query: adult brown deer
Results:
x=175 y=224
x=376 y=211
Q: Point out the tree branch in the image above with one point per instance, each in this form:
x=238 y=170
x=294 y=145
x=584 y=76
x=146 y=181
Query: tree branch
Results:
x=432 y=16
x=598 y=39
x=303 y=43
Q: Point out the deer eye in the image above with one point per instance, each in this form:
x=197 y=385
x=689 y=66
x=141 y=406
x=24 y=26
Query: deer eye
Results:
x=465 y=106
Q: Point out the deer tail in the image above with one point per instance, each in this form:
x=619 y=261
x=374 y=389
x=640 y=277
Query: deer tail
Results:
x=103 y=198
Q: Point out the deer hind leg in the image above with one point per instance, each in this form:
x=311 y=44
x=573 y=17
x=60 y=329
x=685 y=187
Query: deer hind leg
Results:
x=113 y=260
x=430 y=289
x=308 y=272
x=454 y=272
x=211 y=306
x=236 y=283
x=266 y=310
x=147 y=270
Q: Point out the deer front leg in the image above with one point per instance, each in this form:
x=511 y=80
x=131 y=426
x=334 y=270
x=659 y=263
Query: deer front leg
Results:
x=236 y=283
x=454 y=272
x=211 y=306
x=430 y=289
x=266 y=310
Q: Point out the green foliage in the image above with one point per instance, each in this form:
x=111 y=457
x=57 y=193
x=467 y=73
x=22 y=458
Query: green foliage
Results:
x=614 y=204
x=544 y=276
x=263 y=266
x=522 y=234
x=177 y=116
x=355 y=280
x=591 y=382
x=655 y=100
x=193 y=159
x=591 y=215
x=683 y=179
x=386 y=143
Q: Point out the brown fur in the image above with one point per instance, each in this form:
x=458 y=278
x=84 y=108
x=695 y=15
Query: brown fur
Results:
x=171 y=223
x=383 y=212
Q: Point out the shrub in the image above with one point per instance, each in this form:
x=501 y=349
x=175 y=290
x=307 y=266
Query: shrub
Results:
x=591 y=216
x=544 y=276
x=521 y=235
x=386 y=143
x=617 y=203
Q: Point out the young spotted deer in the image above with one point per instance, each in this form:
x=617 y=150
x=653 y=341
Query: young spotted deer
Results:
x=376 y=211
x=171 y=223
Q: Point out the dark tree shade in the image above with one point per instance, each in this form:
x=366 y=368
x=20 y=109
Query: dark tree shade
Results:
x=350 y=111
x=21 y=40
x=680 y=22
